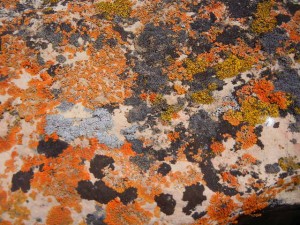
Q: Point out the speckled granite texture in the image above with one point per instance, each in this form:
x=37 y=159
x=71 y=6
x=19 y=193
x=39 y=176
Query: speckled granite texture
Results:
x=156 y=112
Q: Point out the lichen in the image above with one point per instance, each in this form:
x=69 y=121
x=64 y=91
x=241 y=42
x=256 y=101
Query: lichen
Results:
x=202 y=97
x=288 y=163
x=120 y=8
x=170 y=113
x=255 y=111
x=264 y=22
x=195 y=66
x=232 y=66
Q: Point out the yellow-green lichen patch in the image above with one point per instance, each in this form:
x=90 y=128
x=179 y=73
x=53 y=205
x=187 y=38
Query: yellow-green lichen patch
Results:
x=170 y=113
x=288 y=163
x=264 y=21
x=120 y=8
x=232 y=66
x=255 y=111
x=202 y=97
x=196 y=66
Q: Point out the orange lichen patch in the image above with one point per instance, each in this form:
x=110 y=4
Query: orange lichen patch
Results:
x=179 y=89
x=190 y=177
x=126 y=149
x=173 y=136
x=230 y=179
x=248 y=159
x=85 y=81
x=262 y=88
x=233 y=117
x=292 y=27
x=246 y=137
x=281 y=99
x=59 y=215
x=117 y=213
x=217 y=147
x=13 y=205
x=59 y=177
x=10 y=140
x=176 y=71
x=253 y=203
x=10 y=163
x=221 y=208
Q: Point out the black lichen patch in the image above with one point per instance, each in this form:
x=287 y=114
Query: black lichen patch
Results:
x=21 y=180
x=201 y=25
x=129 y=195
x=51 y=70
x=142 y=161
x=271 y=41
x=98 y=163
x=51 y=148
x=166 y=203
x=272 y=168
x=229 y=35
x=138 y=113
x=239 y=9
x=281 y=18
x=276 y=125
x=155 y=45
x=92 y=219
x=164 y=169
x=203 y=127
x=98 y=191
x=194 y=195
x=150 y=78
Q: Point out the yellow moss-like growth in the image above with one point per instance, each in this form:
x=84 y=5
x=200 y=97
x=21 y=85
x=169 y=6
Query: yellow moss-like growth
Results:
x=197 y=66
x=255 y=111
x=202 y=97
x=120 y=8
x=288 y=163
x=232 y=66
x=264 y=21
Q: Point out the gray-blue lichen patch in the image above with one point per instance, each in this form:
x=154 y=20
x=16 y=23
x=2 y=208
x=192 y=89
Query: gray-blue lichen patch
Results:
x=98 y=125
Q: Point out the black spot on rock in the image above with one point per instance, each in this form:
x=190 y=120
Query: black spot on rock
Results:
x=239 y=9
x=98 y=191
x=92 y=219
x=272 y=168
x=281 y=18
x=271 y=41
x=203 y=127
x=164 y=169
x=198 y=215
x=276 y=125
x=194 y=195
x=128 y=195
x=51 y=148
x=201 y=25
x=229 y=35
x=138 y=113
x=166 y=203
x=51 y=70
x=292 y=7
x=21 y=180
x=66 y=27
x=156 y=44
x=98 y=163
x=98 y=44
